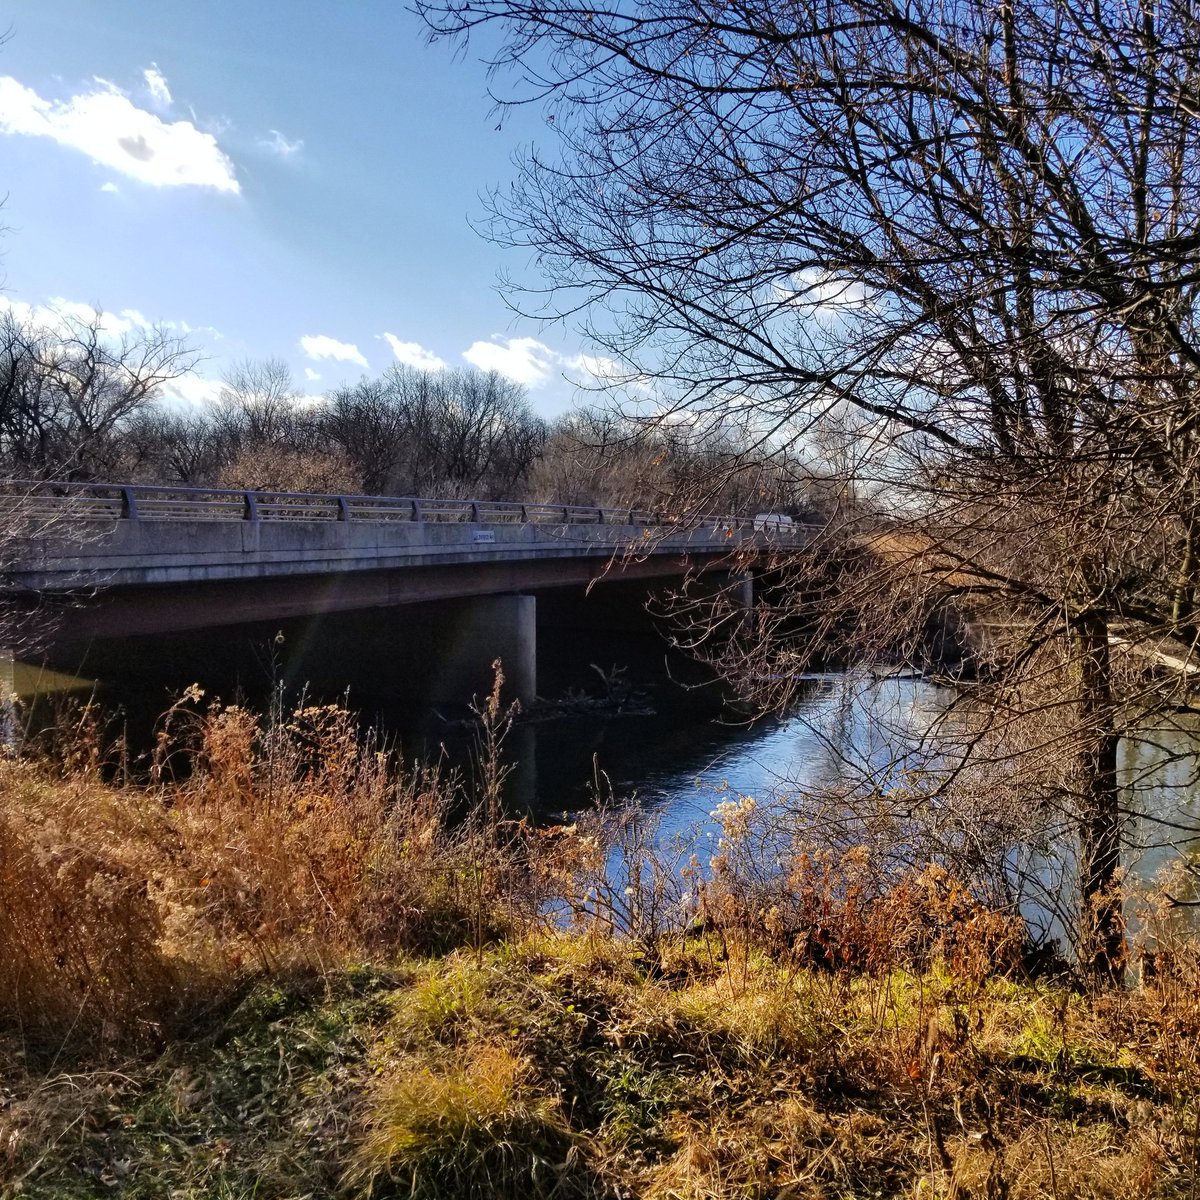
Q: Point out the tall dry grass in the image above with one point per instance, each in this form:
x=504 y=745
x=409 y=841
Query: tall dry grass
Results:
x=756 y=1024
x=257 y=845
x=754 y=892
x=265 y=843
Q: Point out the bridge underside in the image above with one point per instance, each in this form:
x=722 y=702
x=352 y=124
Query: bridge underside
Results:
x=422 y=634
x=174 y=608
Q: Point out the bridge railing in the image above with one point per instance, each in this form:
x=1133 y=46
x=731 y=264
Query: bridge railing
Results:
x=43 y=501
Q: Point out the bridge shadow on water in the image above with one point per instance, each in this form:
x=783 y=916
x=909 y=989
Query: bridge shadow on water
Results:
x=635 y=710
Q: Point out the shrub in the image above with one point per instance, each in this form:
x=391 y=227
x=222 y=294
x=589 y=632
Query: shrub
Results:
x=259 y=845
x=80 y=925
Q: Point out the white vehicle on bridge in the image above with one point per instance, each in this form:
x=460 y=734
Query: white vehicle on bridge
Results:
x=777 y=523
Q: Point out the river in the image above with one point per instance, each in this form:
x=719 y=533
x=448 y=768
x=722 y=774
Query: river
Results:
x=677 y=757
x=678 y=767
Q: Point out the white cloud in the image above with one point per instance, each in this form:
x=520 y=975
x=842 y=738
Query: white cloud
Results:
x=111 y=130
x=156 y=84
x=311 y=375
x=109 y=187
x=523 y=360
x=58 y=314
x=606 y=372
x=824 y=293
x=19 y=310
x=527 y=361
x=317 y=346
x=192 y=390
x=279 y=145
x=115 y=324
x=413 y=354
x=62 y=316
x=595 y=365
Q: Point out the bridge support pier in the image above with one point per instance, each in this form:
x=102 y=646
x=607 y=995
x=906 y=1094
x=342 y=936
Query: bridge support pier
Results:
x=490 y=628
x=742 y=589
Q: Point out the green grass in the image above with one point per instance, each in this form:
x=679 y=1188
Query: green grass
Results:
x=474 y=1125
x=560 y=1066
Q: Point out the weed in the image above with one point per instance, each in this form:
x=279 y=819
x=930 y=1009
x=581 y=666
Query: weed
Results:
x=285 y=845
x=288 y=965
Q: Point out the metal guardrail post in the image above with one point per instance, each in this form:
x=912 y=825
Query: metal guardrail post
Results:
x=129 y=505
x=474 y=513
x=343 y=509
x=416 y=511
x=251 y=506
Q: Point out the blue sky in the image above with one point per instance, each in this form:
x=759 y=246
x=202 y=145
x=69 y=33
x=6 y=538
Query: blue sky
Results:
x=279 y=181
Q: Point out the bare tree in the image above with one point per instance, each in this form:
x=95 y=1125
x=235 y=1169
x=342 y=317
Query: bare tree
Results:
x=590 y=457
x=974 y=226
x=171 y=445
x=270 y=436
x=484 y=432
x=595 y=455
x=67 y=390
x=257 y=403
x=371 y=430
x=417 y=432
x=70 y=389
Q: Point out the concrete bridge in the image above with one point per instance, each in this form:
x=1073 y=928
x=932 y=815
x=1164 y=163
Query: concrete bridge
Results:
x=122 y=560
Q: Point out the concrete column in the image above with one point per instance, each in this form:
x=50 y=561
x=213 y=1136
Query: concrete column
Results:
x=490 y=628
x=520 y=612
x=520 y=750
x=741 y=589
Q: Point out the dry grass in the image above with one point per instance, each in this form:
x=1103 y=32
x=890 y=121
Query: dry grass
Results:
x=560 y=1065
x=474 y=1126
x=256 y=847
x=678 y=1031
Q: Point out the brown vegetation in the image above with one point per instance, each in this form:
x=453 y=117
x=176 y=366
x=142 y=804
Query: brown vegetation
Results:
x=284 y=844
x=572 y=1011
x=947 y=250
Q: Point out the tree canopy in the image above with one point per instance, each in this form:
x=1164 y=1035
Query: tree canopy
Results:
x=966 y=233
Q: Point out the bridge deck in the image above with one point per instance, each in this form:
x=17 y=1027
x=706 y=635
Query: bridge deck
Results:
x=87 y=536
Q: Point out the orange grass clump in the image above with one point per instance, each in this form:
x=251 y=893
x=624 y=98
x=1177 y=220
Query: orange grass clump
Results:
x=284 y=843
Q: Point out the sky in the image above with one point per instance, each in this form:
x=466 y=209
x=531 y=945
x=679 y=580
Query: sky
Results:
x=290 y=181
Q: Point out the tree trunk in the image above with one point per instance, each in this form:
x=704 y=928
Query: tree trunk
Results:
x=1103 y=949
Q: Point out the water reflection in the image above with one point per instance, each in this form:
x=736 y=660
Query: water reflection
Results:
x=1160 y=773
x=679 y=766
x=849 y=730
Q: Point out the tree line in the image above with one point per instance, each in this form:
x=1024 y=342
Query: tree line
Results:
x=78 y=403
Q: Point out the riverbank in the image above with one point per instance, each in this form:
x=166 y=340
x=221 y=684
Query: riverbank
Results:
x=290 y=970
x=556 y=1065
